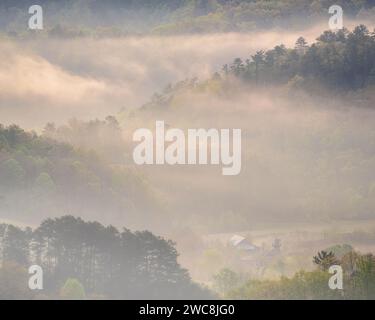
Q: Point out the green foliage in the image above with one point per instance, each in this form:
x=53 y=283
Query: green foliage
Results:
x=225 y=281
x=14 y=244
x=40 y=176
x=358 y=281
x=118 y=18
x=359 y=275
x=223 y=15
x=44 y=183
x=13 y=282
x=303 y=285
x=12 y=172
x=72 y=290
x=339 y=60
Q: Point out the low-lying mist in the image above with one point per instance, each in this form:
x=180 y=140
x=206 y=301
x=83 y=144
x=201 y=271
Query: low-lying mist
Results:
x=304 y=157
x=55 y=79
x=307 y=158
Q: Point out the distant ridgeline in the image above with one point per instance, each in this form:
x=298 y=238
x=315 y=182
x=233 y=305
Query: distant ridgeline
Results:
x=103 y=261
x=41 y=177
x=120 y=17
x=337 y=61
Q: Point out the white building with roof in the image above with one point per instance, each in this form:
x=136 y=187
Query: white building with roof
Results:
x=242 y=243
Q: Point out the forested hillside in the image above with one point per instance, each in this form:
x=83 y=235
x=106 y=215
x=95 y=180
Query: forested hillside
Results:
x=90 y=165
x=40 y=177
x=75 y=94
x=300 y=109
x=339 y=61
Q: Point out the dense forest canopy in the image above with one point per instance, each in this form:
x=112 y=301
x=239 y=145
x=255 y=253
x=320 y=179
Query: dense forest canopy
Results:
x=340 y=60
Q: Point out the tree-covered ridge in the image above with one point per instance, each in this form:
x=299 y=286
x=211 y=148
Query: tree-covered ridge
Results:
x=107 y=262
x=41 y=177
x=76 y=18
x=103 y=136
x=338 y=61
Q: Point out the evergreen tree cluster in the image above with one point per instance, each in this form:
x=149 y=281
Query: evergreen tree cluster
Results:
x=107 y=262
x=340 y=60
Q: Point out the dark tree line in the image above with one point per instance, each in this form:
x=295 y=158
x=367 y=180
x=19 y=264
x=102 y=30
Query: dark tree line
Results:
x=341 y=60
x=337 y=61
x=108 y=262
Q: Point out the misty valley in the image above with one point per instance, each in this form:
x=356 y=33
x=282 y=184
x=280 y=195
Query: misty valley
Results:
x=200 y=143
x=187 y=149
